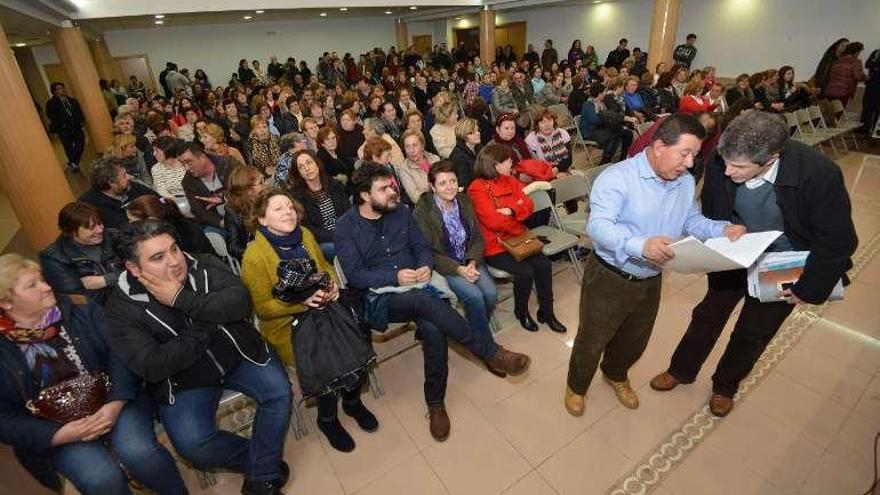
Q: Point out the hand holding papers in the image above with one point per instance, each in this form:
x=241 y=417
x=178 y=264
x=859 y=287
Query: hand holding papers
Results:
x=719 y=254
x=775 y=272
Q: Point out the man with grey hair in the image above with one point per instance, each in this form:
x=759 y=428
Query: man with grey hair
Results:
x=761 y=178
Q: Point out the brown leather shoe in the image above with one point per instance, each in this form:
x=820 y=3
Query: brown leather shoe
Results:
x=574 y=403
x=507 y=362
x=625 y=394
x=720 y=405
x=664 y=382
x=439 y=422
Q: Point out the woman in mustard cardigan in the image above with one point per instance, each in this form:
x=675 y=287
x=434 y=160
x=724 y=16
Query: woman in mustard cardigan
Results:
x=275 y=217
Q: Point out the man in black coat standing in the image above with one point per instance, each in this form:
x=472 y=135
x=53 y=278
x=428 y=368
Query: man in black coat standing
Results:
x=67 y=120
x=761 y=178
x=618 y=55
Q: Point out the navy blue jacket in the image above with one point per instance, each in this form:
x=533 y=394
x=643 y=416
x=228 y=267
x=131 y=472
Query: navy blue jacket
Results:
x=371 y=256
x=29 y=436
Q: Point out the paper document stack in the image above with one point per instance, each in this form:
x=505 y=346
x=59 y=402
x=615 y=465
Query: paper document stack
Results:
x=719 y=254
x=775 y=272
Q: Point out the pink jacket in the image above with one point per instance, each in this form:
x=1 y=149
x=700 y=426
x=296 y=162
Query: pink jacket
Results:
x=845 y=74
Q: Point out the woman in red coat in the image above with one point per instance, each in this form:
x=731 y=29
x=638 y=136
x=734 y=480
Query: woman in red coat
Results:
x=501 y=207
x=845 y=74
x=693 y=101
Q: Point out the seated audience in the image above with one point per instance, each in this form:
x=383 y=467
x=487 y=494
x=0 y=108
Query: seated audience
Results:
x=501 y=207
x=414 y=119
x=289 y=144
x=414 y=172
x=551 y=93
x=550 y=143
x=503 y=100
x=443 y=131
x=373 y=128
x=740 y=89
x=242 y=187
x=634 y=104
x=190 y=235
x=81 y=260
x=505 y=135
x=236 y=126
x=323 y=198
x=310 y=128
x=350 y=135
x=715 y=96
x=112 y=189
x=467 y=145
x=183 y=324
x=280 y=236
x=447 y=220
x=392 y=124
x=214 y=141
x=335 y=165
x=47 y=342
x=204 y=184
x=262 y=147
x=379 y=245
x=794 y=96
x=693 y=101
x=124 y=150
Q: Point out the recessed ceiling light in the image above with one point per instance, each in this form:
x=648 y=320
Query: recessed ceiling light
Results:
x=413 y=7
x=459 y=18
x=160 y=22
x=387 y=12
x=260 y=11
x=159 y=16
x=248 y=17
x=323 y=14
x=20 y=44
x=343 y=8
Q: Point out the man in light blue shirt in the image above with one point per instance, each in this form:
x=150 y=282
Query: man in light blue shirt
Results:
x=638 y=207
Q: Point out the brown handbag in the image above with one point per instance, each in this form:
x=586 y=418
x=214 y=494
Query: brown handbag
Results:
x=71 y=399
x=521 y=246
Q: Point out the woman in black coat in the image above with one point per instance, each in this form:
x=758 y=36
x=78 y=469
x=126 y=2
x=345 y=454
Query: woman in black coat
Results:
x=464 y=155
x=324 y=199
x=46 y=342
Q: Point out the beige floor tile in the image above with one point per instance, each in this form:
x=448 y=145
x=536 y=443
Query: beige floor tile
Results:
x=854 y=442
x=709 y=470
x=828 y=376
x=404 y=479
x=310 y=469
x=535 y=420
x=808 y=413
x=376 y=453
x=869 y=404
x=858 y=310
x=843 y=343
x=476 y=459
x=586 y=466
x=835 y=476
x=768 y=447
x=532 y=484
x=870 y=274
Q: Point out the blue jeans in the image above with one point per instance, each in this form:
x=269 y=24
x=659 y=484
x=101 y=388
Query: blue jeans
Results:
x=478 y=298
x=328 y=249
x=437 y=321
x=191 y=422
x=92 y=469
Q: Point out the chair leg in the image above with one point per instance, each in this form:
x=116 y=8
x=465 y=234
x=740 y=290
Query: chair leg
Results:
x=206 y=479
x=494 y=324
x=297 y=422
x=376 y=383
x=575 y=265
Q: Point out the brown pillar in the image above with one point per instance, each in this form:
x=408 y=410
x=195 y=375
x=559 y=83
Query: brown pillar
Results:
x=663 y=28
x=108 y=67
x=32 y=76
x=487 y=35
x=77 y=62
x=402 y=35
x=30 y=173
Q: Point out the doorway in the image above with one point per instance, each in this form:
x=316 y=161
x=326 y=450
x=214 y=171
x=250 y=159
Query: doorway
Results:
x=513 y=34
x=139 y=67
x=422 y=43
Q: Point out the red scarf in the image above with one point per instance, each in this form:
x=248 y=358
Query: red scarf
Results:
x=45 y=330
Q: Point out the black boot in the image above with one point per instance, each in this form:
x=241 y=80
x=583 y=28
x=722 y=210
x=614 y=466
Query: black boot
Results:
x=550 y=319
x=526 y=321
x=357 y=410
x=337 y=436
x=260 y=488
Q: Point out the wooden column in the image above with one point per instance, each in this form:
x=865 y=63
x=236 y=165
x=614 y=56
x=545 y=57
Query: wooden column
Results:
x=402 y=35
x=663 y=28
x=31 y=176
x=108 y=67
x=487 y=35
x=32 y=77
x=77 y=62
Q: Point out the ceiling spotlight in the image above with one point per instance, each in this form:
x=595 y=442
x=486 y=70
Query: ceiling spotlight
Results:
x=260 y=11
x=413 y=7
x=20 y=44
x=323 y=14
x=248 y=17
x=387 y=12
x=160 y=22
x=159 y=16
x=343 y=8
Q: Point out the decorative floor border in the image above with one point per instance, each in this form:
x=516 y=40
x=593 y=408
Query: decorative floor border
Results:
x=655 y=466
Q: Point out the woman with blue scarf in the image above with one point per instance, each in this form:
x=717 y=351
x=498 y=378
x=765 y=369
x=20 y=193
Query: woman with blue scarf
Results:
x=279 y=236
x=446 y=217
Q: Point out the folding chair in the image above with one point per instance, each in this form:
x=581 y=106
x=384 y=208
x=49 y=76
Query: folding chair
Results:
x=557 y=239
x=219 y=245
x=817 y=122
x=842 y=121
x=794 y=129
x=586 y=144
x=567 y=189
x=805 y=126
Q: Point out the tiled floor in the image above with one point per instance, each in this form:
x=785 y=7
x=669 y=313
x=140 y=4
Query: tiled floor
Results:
x=804 y=426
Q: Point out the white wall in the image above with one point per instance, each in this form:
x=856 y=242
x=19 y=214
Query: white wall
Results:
x=749 y=35
x=217 y=49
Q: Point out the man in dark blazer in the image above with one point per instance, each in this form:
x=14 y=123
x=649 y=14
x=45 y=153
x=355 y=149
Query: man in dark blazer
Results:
x=67 y=120
x=205 y=183
x=761 y=178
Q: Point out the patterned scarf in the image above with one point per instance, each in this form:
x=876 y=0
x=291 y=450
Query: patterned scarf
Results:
x=45 y=330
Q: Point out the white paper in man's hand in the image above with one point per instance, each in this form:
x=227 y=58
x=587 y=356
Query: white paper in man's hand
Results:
x=719 y=254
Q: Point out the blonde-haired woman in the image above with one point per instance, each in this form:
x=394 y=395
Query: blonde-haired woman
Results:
x=443 y=132
x=262 y=147
x=464 y=155
x=214 y=140
x=124 y=148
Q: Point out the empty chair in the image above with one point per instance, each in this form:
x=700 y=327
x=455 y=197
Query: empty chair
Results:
x=557 y=239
